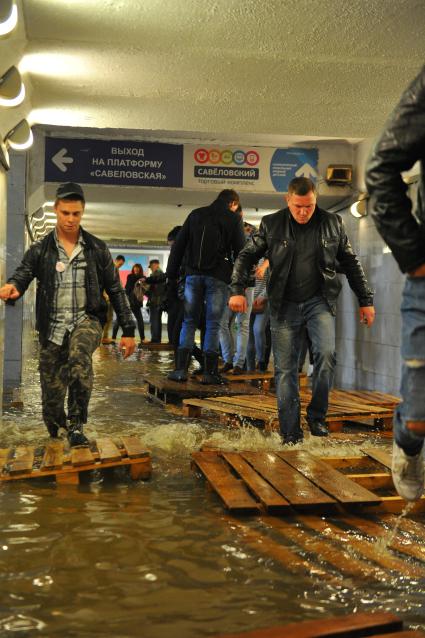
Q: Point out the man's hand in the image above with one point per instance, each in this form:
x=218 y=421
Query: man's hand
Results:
x=8 y=291
x=127 y=346
x=418 y=272
x=261 y=269
x=259 y=304
x=367 y=315
x=237 y=303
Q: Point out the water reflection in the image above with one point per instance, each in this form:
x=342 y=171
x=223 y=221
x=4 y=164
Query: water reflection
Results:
x=162 y=558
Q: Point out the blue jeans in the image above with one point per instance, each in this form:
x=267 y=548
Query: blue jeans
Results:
x=231 y=352
x=412 y=407
x=257 y=339
x=197 y=290
x=287 y=333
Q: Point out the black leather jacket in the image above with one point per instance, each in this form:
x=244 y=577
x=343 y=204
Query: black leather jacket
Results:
x=401 y=144
x=39 y=262
x=276 y=241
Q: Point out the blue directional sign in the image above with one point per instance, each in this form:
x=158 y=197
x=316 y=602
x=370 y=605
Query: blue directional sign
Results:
x=287 y=163
x=114 y=162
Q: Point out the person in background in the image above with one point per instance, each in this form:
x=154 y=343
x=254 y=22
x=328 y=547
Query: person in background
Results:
x=234 y=326
x=208 y=242
x=157 y=295
x=303 y=244
x=118 y=261
x=136 y=306
x=73 y=268
x=400 y=146
x=175 y=298
x=256 y=352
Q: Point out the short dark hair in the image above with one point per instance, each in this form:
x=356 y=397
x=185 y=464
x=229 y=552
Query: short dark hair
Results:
x=228 y=195
x=301 y=186
x=154 y=261
x=120 y=257
x=173 y=233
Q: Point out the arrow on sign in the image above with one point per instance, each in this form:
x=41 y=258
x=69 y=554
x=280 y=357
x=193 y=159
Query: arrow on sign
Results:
x=60 y=160
x=306 y=171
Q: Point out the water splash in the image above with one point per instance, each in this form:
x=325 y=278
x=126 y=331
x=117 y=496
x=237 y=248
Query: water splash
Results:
x=382 y=544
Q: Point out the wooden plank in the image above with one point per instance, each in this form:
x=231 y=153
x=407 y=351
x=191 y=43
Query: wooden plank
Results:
x=373 y=481
x=216 y=406
x=328 y=479
x=352 y=626
x=232 y=491
x=53 y=456
x=264 y=492
x=297 y=489
x=108 y=451
x=134 y=447
x=22 y=461
x=4 y=455
x=81 y=456
x=378 y=454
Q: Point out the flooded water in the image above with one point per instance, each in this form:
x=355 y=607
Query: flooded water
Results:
x=162 y=557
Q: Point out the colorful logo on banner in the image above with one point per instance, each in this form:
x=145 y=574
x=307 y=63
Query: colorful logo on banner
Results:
x=213 y=163
x=287 y=163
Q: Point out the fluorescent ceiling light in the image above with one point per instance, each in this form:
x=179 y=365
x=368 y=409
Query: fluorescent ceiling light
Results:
x=20 y=138
x=8 y=16
x=59 y=65
x=12 y=89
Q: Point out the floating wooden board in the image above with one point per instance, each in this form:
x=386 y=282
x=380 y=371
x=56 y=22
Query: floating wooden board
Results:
x=66 y=463
x=378 y=454
x=328 y=479
x=304 y=481
x=232 y=491
x=351 y=626
x=161 y=389
x=264 y=408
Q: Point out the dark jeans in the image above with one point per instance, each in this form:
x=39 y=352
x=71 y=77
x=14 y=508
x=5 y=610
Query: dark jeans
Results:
x=287 y=333
x=412 y=407
x=257 y=339
x=136 y=309
x=175 y=320
x=199 y=289
x=155 y=317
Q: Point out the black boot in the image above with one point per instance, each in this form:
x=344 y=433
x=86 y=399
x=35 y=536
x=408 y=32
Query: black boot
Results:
x=75 y=433
x=211 y=374
x=197 y=355
x=318 y=427
x=182 y=364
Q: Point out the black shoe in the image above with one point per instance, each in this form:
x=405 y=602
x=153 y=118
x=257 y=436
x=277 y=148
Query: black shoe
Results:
x=292 y=439
x=237 y=370
x=182 y=364
x=226 y=368
x=318 y=428
x=76 y=437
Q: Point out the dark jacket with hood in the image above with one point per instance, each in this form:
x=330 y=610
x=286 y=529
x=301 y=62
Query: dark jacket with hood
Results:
x=224 y=235
x=40 y=261
x=275 y=239
x=400 y=146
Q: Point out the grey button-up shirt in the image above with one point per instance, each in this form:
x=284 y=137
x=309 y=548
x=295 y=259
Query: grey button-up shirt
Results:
x=69 y=297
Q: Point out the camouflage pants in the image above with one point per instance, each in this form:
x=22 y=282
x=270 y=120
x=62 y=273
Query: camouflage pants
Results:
x=68 y=367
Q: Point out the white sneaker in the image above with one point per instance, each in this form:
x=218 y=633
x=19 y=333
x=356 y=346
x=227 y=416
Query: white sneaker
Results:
x=408 y=473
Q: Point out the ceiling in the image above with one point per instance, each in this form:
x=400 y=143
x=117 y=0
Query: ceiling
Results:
x=256 y=71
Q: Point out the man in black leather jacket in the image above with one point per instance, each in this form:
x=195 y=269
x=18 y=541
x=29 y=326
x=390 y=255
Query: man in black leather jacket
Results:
x=400 y=146
x=303 y=244
x=72 y=268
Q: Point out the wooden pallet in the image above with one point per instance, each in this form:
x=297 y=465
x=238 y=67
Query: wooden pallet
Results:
x=160 y=389
x=351 y=626
x=343 y=408
x=65 y=464
x=279 y=482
